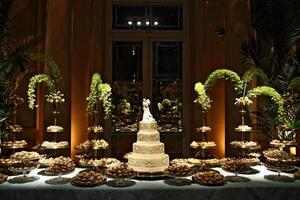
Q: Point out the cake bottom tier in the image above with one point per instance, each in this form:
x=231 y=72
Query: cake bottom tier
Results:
x=148 y=163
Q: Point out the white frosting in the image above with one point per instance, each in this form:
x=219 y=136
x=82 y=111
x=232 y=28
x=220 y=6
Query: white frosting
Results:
x=148 y=163
x=148 y=137
x=148 y=148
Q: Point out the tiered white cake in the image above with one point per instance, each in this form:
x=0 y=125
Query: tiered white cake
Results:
x=148 y=152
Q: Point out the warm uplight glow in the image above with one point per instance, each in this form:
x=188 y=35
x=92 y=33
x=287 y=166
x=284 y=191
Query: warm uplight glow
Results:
x=79 y=119
x=216 y=118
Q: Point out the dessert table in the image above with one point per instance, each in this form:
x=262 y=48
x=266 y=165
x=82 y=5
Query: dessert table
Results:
x=257 y=188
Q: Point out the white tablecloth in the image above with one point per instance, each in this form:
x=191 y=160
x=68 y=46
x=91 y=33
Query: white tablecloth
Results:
x=257 y=188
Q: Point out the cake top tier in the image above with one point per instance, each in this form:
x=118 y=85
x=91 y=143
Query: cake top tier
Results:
x=147 y=116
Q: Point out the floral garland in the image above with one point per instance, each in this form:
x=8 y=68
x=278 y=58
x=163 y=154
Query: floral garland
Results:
x=273 y=94
x=202 y=97
x=255 y=72
x=32 y=86
x=99 y=92
x=226 y=74
x=104 y=90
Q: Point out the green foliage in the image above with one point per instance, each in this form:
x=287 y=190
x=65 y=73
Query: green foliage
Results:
x=294 y=84
x=55 y=73
x=124 y=104
x=255 y=72
x=276 y=25
x=99 y=91
x=169 y=105
x=14 y=63
x=32 y=86
x=93 y=95
x=273 y=94
x=227 y=75
x=202 y=97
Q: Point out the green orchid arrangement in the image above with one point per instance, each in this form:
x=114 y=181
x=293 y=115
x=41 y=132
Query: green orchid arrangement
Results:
x=51 y=81
x=202 y=98
x=248 y=76
x=99 y=92
x=273 y=94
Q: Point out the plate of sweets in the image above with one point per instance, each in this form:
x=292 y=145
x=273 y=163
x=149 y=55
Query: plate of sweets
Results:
x=209 y=178
x=179 y=171
x=88 y=179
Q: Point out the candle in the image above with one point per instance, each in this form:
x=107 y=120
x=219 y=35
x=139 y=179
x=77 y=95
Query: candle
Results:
x=293 y=150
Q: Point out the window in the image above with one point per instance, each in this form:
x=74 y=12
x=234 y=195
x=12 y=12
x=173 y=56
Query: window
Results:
x=127 y=85
x=162 y=17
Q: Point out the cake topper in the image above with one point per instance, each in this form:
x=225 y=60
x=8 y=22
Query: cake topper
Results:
x=147 y=116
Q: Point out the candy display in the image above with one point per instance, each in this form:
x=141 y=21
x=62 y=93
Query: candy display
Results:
x=235 y=165
x=102 y=162
x=61 y=165
x=14 y=144
x=179 y=170
x=26 y=155
x=209 y=178
x=7 y=162
x=44 y=161
x=243 y=144
x=88 y=179
x=297 y=175
x=3 y=178
x=23 y=166
x=120 y=171
x=61 y=144
x=281 y=143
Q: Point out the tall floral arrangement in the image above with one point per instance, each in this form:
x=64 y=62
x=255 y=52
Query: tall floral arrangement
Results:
x=99 y=92
x=51 y=81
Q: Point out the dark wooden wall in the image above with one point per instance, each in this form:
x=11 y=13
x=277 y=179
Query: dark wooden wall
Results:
x=74 y=35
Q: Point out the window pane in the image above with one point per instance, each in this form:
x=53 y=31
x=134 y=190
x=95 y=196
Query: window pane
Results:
x=127 y=61
x=167 y=85
x=125 y=13
x=127 y=85
x=167 y=59
x=164 y=17
x=167 y=17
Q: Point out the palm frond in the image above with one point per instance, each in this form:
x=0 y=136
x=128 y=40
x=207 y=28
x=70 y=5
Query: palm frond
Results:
x=17 y=57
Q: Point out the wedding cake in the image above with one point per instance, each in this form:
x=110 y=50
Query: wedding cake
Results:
x=148 y=152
